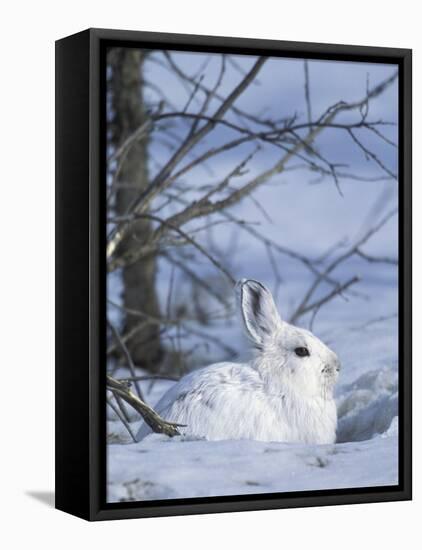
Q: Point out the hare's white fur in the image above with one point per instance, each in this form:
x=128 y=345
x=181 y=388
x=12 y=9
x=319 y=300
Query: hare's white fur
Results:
x=277 y=396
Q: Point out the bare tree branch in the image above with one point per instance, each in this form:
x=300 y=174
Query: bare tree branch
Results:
x=303 y=307
x=325 y=299
x=148 y=249
x=307 y=92
x=160 y=184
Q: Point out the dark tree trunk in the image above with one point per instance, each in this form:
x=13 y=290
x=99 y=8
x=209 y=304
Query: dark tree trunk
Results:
x=128 y=113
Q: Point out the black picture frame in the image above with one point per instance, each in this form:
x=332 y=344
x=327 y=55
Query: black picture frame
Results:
x=80 y=274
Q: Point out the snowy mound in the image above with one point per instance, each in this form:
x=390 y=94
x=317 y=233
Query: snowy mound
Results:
x=368 y=406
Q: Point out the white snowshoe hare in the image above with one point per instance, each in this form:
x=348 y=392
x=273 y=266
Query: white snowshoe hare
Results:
x=285 y=393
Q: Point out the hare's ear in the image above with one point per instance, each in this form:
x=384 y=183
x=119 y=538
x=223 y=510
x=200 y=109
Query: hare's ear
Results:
x=258 y=309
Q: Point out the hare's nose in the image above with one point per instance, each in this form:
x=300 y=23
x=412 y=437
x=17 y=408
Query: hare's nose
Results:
x=333 y=365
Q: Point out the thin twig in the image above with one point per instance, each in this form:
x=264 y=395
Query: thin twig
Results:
x=121 y=417
x=329 y=296
x=126 y=353
x=149 y=377
x=377 y=259
x=189 y=239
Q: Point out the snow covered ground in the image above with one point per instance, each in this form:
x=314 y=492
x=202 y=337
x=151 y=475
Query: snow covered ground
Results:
x=366 y=453
x=161 y=468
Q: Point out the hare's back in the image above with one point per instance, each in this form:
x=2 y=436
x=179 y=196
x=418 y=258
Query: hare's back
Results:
x=218 y=402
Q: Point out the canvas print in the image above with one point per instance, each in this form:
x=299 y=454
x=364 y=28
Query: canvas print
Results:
x=252 y=274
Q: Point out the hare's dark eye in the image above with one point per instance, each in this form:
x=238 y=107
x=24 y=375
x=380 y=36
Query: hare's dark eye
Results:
x=302 y=352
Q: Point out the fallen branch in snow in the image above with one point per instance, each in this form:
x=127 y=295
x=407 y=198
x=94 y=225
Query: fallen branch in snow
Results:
x=154 y=421
x=121 y=418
